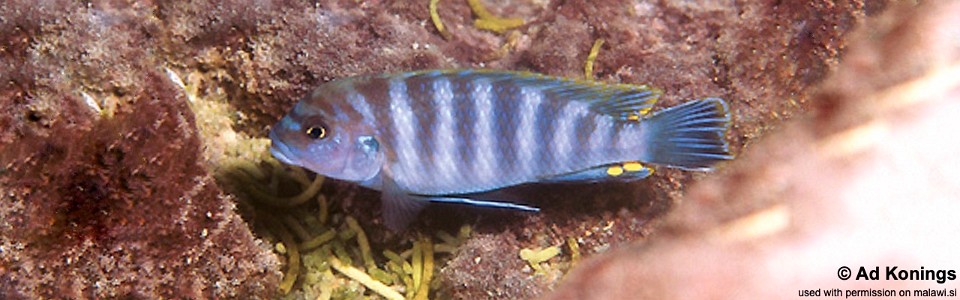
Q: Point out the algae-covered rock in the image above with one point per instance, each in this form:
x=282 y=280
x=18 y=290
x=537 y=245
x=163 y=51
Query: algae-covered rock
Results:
x=104 y=194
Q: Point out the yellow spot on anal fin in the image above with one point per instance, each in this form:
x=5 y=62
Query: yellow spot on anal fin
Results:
x=615 y=171
x=632 y=166
x=646 y=110
x=633 y=117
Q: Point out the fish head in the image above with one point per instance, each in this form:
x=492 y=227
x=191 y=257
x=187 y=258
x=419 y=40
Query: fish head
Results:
x=334 y=147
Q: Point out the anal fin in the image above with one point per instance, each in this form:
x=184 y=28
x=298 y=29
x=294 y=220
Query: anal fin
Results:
x=611 y=172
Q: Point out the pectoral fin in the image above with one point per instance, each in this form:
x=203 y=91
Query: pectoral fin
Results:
x=399 y=208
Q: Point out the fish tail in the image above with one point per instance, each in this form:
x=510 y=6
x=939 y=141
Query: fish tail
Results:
x=688 y=136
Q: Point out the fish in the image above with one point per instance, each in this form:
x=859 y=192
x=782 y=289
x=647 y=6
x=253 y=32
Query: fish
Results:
x=463 y=135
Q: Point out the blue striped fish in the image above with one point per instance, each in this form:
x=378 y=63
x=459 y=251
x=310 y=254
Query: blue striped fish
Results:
x=456 y=135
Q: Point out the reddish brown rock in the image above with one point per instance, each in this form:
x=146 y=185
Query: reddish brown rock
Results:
x=114 y=204
x=867 y=179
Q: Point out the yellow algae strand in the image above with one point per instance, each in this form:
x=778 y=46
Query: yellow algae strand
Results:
x=447 y=238
x=465 y=232
x=250 y=186
x=363 y=242
x=417 y=262
x=435 y=17
x=574 y=250
x=300 y=175
x=393 y=256
x=326 y=290
x=402 y=269
x=407 y=281
x=449 y=243
x=347 y=234
x=427 y=269
x=294 y=225
x=382 y=276
x=594 y=51
x=445 y=248
x=319 y=240
x=487 y=21
x=308 y=193
x=364 y=279
x=293 y=258
x=324 y=209
x=536 y=256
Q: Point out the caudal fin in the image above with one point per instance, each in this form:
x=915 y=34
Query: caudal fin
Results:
x=689 y=136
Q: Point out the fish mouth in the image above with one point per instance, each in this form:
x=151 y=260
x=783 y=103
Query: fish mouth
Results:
x=279 y=155
x=280 y=151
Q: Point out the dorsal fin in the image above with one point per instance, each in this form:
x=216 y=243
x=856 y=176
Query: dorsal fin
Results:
x=620 y=100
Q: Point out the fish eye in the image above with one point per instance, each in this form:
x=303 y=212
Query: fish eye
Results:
x=316 y=132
